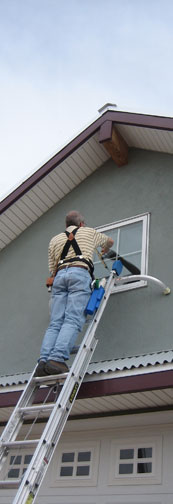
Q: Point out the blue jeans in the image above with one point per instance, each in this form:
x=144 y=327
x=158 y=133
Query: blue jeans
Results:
x=70 y=295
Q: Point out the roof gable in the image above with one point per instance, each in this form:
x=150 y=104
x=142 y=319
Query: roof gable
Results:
x=75 y=162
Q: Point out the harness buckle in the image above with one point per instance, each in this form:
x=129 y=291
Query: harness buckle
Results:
x=71 y=236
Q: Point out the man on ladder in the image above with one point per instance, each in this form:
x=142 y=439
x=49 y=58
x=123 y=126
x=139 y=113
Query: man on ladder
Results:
x=71 y=268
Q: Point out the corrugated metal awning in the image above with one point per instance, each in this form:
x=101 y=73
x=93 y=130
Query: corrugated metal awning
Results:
x=127 y=365
x=133 y=384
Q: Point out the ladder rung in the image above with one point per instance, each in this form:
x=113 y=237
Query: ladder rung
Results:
x=17 y=444
x=10 y=483
x=28 y=410
x=50 y=378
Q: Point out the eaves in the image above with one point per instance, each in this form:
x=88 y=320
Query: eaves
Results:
x=148 y=387
x=77 y=160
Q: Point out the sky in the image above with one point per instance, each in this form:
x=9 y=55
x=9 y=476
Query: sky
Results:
x=60 y=61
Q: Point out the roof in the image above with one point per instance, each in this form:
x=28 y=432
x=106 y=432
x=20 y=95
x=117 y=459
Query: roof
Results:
x=119 y=367
x=135 y=384
x=75 y=162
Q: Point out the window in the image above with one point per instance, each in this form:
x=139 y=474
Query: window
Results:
x=136 y=462
x=76 y=465
x=16 y=465
x=131 y=242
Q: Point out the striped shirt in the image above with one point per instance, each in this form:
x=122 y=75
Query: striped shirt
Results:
x=88 y=240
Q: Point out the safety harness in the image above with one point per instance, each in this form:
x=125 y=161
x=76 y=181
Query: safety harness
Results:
x=71 y=241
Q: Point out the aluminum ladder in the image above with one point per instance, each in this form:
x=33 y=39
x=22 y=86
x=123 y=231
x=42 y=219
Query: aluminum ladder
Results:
x=32 y=478
x=30 y=483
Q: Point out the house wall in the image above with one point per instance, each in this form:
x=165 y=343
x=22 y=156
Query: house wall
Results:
x=99 y=489
x=135 y=322
x=103 y=491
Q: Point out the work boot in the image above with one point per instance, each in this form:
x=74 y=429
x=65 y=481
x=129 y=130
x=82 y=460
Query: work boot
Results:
x=40 y=369
x=53 y=367
x=75 y=349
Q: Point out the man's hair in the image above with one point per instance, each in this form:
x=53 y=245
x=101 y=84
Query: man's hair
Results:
x=73 y=218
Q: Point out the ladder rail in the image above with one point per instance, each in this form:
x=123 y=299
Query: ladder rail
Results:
x=15 y=420
x=45 y=449
x=49 y=439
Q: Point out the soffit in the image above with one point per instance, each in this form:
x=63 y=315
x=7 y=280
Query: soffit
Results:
x=147 y=138
x=51 y=189
x=118 y=403
x=123 y=402
x=115 y=404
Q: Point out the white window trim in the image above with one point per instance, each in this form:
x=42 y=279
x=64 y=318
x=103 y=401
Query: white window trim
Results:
x=7 y=466
x=76 y=481
x=145 y=218
x=135 y=479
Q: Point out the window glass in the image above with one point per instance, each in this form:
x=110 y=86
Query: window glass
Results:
x=15 y=460
x=84 y=456
x=127 y=454
x=68 y=457
x=130 y=239
x=82 y=471
x=125 y=468
x=27 y=459
x=66 y=471
x=131 y=243
x=144 y=452
x=145 y=467
x=13 y=473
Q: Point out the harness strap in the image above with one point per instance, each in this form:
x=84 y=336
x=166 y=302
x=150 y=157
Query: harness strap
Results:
x=71 y=242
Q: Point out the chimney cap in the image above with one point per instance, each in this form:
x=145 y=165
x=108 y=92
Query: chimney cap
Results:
x=107 y=106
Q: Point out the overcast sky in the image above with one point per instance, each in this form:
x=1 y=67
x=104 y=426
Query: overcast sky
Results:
x=62 y=60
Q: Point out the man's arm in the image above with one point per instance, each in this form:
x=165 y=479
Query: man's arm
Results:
x=108 y=245
x=104 y=241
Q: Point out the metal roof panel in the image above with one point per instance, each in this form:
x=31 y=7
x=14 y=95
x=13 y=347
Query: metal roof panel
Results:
x=104 y=367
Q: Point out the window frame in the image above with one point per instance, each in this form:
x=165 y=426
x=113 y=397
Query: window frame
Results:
x=135 y=478
x=7 y=466
x=76 y=481
x=145 y=219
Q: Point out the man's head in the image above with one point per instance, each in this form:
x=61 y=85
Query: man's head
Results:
x=74 y=218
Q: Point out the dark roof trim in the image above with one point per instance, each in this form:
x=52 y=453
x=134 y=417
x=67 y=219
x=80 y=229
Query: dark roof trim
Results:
x=127 y=118
x=127 y=385
x=101 y=388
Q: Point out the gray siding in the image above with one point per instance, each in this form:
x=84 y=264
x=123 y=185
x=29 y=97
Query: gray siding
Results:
x=134 y=322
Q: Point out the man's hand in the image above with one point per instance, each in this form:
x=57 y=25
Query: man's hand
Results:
x=109 y=244
x=49 y=281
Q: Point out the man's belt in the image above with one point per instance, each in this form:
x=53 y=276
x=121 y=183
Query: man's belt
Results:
x=72 y=266
x=66 y=263
x=80 y=259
